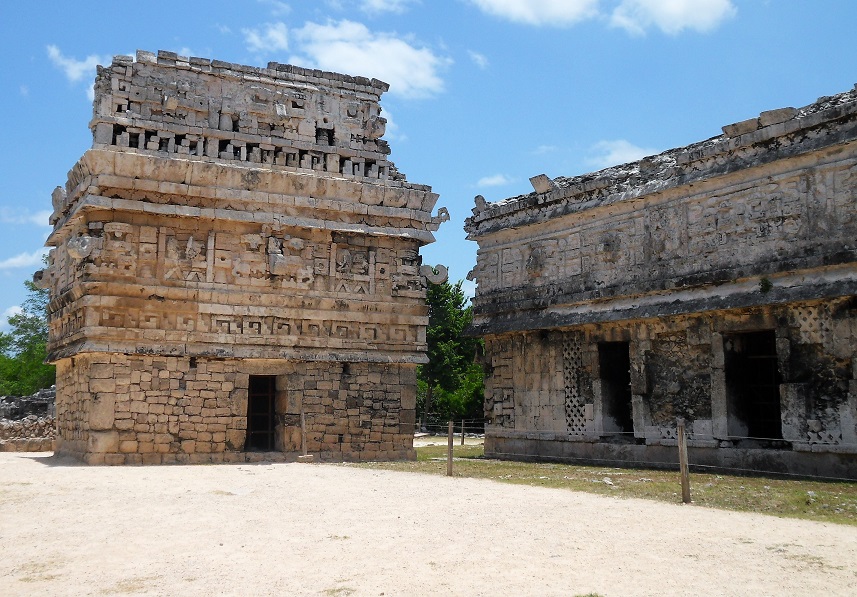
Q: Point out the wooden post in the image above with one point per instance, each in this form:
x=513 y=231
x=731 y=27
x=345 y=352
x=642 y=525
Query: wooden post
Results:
x=449 y=452
x=462 y=432
x=682 y=462
x=303 y=433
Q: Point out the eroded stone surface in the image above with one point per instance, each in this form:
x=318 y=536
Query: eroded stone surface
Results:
x=229 y=222
x=687 y=261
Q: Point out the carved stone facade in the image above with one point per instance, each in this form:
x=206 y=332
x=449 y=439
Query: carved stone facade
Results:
x=715 y=283
x=236 y=241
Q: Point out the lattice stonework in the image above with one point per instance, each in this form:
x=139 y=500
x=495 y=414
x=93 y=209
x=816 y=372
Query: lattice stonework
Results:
x=572 y=369
x=813 y=323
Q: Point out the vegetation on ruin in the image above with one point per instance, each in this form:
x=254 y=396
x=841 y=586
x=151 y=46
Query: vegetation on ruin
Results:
x=22 y=349
x=450 y=385
x=834 y=502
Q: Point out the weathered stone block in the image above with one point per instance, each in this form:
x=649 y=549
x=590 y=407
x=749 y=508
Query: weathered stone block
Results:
x=102 y=412
x=771 y=117
x=103 y=441
x=741 y=128
x=107 y=386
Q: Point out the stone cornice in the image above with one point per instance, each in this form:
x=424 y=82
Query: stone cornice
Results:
x=195 y=186
x=792 y=287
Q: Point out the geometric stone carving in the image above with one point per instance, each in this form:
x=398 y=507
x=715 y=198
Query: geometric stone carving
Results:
x=572 y=365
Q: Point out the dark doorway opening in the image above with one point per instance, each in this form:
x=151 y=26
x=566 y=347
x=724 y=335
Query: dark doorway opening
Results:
x=261 y=413
x=753 y=385
x=614 y=360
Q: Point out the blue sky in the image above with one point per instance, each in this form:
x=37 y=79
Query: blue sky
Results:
x=484 y=93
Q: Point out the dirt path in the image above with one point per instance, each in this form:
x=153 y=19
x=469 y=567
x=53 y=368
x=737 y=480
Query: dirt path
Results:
x=310 y=529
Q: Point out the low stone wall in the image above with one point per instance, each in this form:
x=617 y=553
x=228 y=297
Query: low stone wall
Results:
x=37 y=444
x=30 y=434
x=30 y=427
x=28 y=424
x=532 y=447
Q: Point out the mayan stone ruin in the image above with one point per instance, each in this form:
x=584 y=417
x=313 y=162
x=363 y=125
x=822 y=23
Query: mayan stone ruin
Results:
x=236 y=269
x=715 y=283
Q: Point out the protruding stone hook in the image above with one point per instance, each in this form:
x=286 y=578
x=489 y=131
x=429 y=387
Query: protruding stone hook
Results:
x=440 y=277
x=441 y=217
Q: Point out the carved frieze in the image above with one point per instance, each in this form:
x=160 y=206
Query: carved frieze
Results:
x=711 y=231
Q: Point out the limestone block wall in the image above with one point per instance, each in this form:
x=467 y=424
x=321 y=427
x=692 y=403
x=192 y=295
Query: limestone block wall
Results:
x=354 y=411
x=132 y=409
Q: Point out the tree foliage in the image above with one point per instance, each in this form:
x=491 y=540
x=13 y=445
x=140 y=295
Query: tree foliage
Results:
x=23 y=347
x=450 y=385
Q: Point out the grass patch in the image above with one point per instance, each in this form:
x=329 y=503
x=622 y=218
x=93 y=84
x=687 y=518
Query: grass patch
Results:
x=37 y=572
x=811 y=500
x=337 y=591
x=136 y=584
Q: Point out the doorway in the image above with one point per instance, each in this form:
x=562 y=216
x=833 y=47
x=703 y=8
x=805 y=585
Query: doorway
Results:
x=614 y=363
x=753 y=385
x=261 y=413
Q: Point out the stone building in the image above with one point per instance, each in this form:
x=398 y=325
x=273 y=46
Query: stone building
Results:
x=715 y=283
x=236 y=269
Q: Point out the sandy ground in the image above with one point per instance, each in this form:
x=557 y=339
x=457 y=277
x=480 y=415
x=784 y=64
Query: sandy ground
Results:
x=312 y=529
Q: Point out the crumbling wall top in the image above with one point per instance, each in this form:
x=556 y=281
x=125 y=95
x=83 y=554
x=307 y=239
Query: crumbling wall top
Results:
x=275 y=70
x=774 y=134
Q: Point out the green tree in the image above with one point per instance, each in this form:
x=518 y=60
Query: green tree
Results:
x=450 y=384
x=23 y=348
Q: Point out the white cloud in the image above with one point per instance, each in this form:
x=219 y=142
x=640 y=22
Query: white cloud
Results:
x=635 y=16
x=478 y=59
x=278 y=8
x=543 y=149
x=540 y=12
x=270 y=37
x=350 y=47
x=75 y=70
x=497 y=180
x=24 y=259
x=25 y=91
x=392 y=130
x=39 y=218
x=671 y=16
x=613 y=153
x=9 y=312
x=396 y=6
x=224 y=29
x=468 y=287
